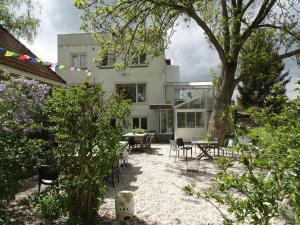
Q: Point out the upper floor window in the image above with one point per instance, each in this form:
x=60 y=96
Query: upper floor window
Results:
x=108 y=60
x=135 y=92
x=79 y=60
x=139 y=60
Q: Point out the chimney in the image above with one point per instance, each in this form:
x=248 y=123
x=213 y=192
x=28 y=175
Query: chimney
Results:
x=168 y=61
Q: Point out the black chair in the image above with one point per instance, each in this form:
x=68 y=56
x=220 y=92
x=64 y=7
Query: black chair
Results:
x=48 y=175
x=131 y=143
x=185 y=148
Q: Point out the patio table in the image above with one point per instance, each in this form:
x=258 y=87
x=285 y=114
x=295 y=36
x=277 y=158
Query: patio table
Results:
x=139 y=138
x=205 y=146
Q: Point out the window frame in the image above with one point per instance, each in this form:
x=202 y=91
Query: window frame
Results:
x=136 y=91
x=167 y=111
x=78 y=55
x=136 y=61
x=140 y=121
x=108 y=65
x=204 y=116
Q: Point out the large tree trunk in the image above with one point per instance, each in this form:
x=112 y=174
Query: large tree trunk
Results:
x=218 y=123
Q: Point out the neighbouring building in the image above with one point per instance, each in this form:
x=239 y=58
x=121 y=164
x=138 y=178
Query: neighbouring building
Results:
x=161 y=103
x=16 y=67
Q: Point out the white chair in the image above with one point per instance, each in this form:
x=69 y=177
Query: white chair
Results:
x=174 y=147
x=227 y=149
x=195 y=138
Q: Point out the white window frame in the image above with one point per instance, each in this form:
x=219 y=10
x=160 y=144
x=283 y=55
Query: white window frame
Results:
x=111 y=60
x=136 y=91
x=140 y=121
x=138 y=58
x=78 y=55
x=167 y=118
x=194 y=111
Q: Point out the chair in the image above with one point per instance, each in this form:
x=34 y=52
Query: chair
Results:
x=132 y=143
x=195 y=138
x=217 y=146
x=48 y=175
x=185 y=148
x=174 y=147
x=147 y=143
x=226 y=149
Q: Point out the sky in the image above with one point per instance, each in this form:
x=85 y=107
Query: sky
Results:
x=188 y=49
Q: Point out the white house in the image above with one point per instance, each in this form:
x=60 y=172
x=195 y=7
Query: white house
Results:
x=160 y=102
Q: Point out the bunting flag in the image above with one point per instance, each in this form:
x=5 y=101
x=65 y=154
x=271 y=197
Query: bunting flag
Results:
x=22 y=57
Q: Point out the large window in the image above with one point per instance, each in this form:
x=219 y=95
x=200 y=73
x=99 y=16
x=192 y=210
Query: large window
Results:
x=135 y=92
x=108 y=60
x=79 y=60
x=139 y=60
x=139 y=122
x=166 y=121
x=190 y=119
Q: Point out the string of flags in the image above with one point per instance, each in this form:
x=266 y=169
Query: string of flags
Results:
x=22 y=57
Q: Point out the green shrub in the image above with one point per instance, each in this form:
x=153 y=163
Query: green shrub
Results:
x=87 y=143
x=49 y=206
x=138 y=131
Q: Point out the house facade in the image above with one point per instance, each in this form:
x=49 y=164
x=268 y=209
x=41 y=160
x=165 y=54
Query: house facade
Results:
x=16 y=67
x=154 y=88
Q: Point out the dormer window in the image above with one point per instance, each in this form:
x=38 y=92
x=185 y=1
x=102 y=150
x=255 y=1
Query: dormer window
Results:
x=108 y=60
x=79 y=60
x=140 y=60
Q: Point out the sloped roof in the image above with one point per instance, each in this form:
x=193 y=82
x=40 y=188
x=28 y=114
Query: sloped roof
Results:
x=9 y=42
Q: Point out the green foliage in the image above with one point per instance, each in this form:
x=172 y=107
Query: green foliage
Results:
x=50 y=206
x=87 y=142
x=138 y=131
x=18 y=16
x=263 y=83
x=267 y=186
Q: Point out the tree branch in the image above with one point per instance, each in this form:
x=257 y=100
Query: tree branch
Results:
x=296 y=36
x=289 y=54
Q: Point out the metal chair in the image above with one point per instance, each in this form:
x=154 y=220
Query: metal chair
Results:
x=174 y=147
x=195 y=138
x=48 y=175
x=185 y=148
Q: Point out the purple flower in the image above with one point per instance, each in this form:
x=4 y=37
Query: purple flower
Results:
x=7 y=130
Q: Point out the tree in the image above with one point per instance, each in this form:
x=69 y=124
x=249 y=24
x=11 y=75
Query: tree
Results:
x=87 y=143
x=262 y=72
x=145 y=26
x=17 y=16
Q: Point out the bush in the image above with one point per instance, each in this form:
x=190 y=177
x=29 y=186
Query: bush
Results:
x=138 y=131
x=50 y=206
x=87 y=143
x=21 y=112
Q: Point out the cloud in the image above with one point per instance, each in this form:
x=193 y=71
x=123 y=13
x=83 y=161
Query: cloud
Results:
x=190 y=50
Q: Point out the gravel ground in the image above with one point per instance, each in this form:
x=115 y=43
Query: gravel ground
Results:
x=156 y=179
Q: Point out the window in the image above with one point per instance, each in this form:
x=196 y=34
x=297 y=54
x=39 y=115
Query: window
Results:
x=140 y=60
x=190 y=119
x=139 y=122
x=79 y=60
x=135 y=92
x=166 y=121
x=108 y=60
x=181 y=123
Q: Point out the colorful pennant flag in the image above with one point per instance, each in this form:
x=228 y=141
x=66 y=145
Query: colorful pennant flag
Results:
x=44 y=63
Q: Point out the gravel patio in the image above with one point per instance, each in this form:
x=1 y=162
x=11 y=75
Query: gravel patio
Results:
x=156 y=179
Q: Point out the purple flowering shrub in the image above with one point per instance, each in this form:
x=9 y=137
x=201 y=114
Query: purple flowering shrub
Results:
x=21 y=114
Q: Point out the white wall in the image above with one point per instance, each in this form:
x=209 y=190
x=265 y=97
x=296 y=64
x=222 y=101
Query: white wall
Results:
x=151 y=74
